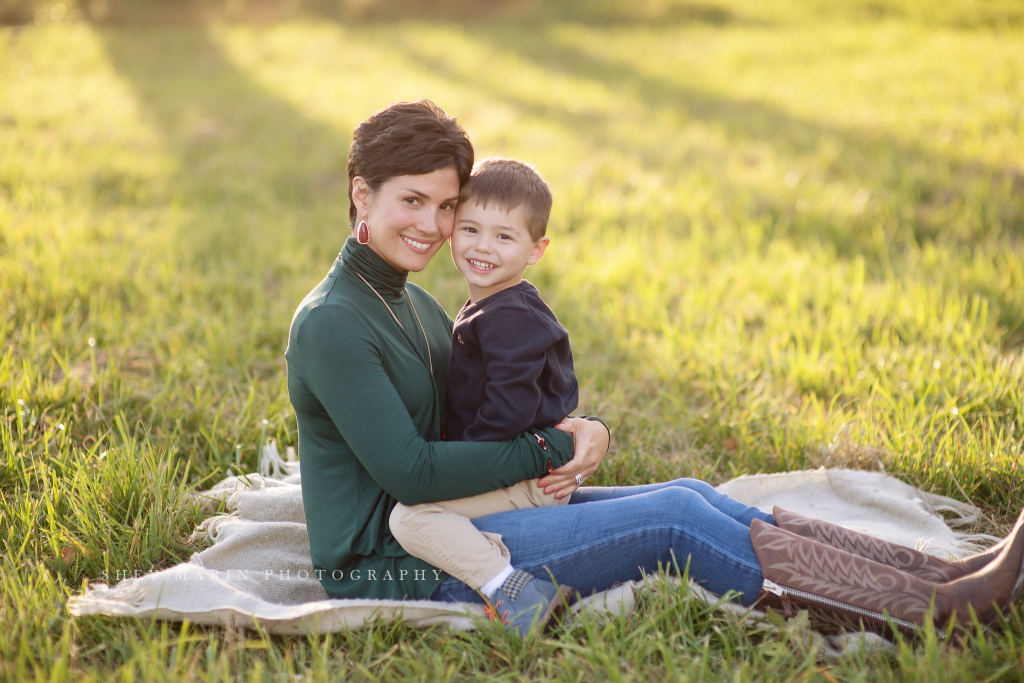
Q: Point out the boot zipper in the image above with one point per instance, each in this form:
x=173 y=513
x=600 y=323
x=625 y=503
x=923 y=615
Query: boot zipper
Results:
x=781 y=591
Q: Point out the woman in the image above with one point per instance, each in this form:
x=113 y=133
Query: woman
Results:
x=367 y=366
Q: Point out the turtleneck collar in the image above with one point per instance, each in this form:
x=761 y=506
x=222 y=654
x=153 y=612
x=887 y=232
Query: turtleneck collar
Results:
x=359 y=258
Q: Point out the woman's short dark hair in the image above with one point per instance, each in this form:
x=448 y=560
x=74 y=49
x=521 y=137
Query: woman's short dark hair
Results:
x=406 y=138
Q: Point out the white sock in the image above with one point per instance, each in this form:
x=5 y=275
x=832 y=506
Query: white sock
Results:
x=494 y=584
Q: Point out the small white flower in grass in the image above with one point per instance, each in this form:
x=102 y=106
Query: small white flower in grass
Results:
x=936 y=365
x=60 y=426
x=103 y=454
x=199 y=362
x=92 y=341
x=954 y=411
x=861 y=374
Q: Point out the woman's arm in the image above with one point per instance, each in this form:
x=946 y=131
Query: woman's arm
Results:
x=342 y=368
x=592 y=438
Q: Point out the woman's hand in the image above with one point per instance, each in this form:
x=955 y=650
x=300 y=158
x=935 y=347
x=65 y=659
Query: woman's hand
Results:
x=591 y=439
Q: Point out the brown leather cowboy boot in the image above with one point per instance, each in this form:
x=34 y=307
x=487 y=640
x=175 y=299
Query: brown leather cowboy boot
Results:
x=845 y=592
x=920 y=564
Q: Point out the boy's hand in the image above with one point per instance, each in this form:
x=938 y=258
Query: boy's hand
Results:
x=591 y=439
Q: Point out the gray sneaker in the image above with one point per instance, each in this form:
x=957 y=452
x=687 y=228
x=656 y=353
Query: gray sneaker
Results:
x=525 y=602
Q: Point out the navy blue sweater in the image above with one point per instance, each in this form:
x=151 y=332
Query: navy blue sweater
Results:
x=510 y=369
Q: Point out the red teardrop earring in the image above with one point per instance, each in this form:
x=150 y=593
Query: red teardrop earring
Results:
x=363 y=233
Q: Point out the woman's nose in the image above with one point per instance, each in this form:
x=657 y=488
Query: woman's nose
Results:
x=431 y=225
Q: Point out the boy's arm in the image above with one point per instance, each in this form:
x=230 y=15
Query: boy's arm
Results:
x=514 y=346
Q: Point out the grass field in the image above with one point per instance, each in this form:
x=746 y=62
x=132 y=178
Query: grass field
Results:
x=781 y=239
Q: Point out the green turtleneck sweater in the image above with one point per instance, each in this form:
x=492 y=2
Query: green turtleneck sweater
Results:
x=369 y=426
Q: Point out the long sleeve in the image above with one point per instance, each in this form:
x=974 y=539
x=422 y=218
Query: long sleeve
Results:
x=511 y=368
x=515 y=351
x=344 y=370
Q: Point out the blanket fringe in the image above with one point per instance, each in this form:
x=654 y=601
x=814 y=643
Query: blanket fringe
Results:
x=209 y=528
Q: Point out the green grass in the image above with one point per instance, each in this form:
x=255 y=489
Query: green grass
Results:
x=781 y=239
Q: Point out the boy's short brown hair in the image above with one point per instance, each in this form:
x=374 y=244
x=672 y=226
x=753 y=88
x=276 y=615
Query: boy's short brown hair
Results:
x=510 y=183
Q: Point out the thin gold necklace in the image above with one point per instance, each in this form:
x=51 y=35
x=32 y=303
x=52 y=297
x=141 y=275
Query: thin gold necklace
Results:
x=430 y=360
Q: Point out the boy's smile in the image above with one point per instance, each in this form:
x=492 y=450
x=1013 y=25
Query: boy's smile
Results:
x=491 y=247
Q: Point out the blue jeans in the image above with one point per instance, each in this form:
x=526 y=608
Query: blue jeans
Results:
x=608 y=535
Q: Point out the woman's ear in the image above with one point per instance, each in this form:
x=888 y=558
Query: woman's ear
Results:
x=538 y=250
x=361 y=195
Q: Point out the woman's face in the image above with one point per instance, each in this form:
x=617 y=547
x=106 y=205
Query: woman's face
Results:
x=410 y=216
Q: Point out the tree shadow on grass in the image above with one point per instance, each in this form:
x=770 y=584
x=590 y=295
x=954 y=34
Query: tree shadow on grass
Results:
x=918 y=195
x=952 y=199
x=204 y=106
x=255 y=209
x=932 y=197
x=200 y=92
x=241 y=150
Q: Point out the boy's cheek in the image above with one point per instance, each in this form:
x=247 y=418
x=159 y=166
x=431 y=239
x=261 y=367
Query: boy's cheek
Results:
x=459 y=245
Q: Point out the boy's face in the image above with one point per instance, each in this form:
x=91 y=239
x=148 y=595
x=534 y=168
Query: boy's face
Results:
x=492 y=247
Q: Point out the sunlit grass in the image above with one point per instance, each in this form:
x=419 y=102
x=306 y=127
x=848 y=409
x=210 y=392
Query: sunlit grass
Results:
x=780 y=240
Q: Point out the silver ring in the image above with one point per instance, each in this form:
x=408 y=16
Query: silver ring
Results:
x=579 y=480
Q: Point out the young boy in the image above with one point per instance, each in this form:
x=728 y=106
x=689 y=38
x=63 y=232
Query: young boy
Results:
x=510 y=371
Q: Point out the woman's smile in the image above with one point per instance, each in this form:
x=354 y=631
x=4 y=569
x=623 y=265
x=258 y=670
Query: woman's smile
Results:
x=418 y=246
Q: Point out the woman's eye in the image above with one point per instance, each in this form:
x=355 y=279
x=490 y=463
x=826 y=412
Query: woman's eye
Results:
x=447 y=207
x=412 y=201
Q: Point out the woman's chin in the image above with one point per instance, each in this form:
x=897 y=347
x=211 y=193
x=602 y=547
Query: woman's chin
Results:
x=404 y=258
x=417 y=263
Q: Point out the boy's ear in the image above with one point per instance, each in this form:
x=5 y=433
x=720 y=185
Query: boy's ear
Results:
x=361 y=195
x=538 y=250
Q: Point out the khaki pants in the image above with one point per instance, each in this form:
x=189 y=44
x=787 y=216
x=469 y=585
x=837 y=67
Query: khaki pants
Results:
x=441 y=533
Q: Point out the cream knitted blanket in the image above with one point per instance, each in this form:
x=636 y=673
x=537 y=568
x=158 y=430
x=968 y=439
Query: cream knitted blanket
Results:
x=257 y=572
